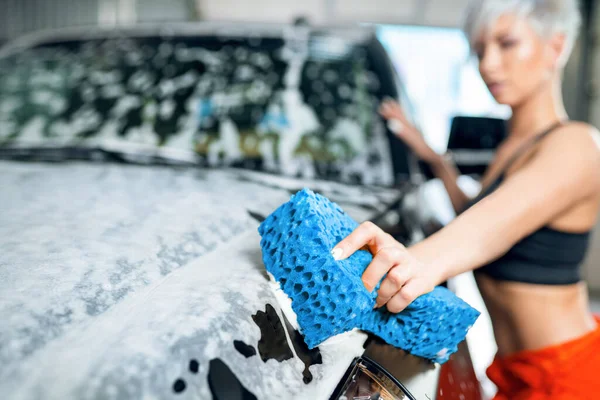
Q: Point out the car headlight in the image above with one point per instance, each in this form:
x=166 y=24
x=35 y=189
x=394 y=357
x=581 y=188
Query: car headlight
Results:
x=366 y=380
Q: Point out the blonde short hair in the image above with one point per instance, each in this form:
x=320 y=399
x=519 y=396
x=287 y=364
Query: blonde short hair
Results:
x=548 y=17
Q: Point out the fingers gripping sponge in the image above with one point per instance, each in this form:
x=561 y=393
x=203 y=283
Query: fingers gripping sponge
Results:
x=329 y=297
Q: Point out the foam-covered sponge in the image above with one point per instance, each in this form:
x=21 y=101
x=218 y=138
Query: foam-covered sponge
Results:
x=329 y=297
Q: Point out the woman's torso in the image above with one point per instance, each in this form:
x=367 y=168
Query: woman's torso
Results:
x=528 y=316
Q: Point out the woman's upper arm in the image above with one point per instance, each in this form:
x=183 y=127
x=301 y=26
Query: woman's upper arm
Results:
x=564 y=171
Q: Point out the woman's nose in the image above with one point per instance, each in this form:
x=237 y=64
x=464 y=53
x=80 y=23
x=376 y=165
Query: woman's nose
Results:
x=490 y=62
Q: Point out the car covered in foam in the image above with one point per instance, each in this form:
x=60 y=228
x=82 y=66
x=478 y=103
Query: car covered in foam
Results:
x=136 y=168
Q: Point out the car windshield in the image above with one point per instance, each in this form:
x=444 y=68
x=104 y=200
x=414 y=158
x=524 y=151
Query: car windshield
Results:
x=288 y=106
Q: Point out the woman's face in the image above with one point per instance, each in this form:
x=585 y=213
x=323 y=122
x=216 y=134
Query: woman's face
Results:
x=514 y=61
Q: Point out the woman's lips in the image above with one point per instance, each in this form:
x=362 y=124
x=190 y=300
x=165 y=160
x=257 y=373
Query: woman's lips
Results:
x=495 y=88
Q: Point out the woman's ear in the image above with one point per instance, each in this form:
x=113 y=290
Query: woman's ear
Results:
x=557 y=48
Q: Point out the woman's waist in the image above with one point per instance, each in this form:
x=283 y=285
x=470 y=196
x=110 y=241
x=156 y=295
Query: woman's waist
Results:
x=532 y=316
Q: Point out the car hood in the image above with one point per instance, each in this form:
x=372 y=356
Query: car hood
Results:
x=132 y=282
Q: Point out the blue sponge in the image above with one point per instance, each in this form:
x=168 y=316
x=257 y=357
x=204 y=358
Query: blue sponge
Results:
x=329 y=297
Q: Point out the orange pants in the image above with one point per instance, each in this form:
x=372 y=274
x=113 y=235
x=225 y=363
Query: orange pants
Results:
x=567 y=371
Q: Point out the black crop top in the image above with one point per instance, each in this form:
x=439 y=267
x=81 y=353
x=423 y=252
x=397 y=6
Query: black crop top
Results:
x=547 y=256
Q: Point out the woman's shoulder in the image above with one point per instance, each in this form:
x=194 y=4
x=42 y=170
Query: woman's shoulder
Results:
x=578 y=136
x=579 y=128
x=573 y=149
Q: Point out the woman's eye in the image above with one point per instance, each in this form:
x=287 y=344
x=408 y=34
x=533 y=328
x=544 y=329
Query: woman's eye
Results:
x=506 y=44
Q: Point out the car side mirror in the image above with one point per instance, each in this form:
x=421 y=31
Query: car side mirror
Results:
x=473 y=141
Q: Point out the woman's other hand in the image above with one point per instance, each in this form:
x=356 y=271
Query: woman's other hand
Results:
x=403 y=129
x=407 y=278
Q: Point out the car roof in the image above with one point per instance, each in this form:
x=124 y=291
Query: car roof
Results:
x=352 y=33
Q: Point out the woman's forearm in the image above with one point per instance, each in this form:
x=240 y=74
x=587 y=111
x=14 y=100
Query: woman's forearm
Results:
x=447 y=172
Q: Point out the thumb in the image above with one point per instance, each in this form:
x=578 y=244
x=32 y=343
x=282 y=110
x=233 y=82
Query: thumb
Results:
x=396 y=126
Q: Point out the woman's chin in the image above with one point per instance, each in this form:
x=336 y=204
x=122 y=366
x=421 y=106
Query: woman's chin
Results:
x=504 y=99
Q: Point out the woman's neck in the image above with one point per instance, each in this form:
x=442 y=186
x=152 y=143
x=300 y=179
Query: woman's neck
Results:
x=538 y=111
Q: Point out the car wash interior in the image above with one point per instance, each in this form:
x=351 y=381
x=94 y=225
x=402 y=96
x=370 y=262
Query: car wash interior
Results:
x=344 y=200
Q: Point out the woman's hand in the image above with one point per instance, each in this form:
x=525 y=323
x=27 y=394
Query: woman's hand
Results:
x=407 y=278
x=403 y=129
